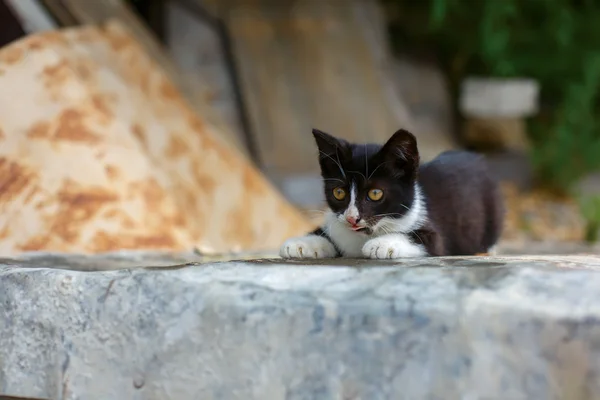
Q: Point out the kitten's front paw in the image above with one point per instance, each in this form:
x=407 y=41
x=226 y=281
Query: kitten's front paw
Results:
x=390 y=247
x=311 y=246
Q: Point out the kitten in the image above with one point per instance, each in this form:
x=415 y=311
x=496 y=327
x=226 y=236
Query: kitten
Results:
x=384 y=205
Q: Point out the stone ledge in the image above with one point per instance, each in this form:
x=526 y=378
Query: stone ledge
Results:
x=493 y=328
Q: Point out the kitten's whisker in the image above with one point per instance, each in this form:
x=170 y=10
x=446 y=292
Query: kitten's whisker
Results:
x=366 y=162
x=334 y=179
x=315 y=211
x=332 y=159
x=339 y=163
x=417 y=236
x=395 y=222
x=383 y=163
x=383 y=215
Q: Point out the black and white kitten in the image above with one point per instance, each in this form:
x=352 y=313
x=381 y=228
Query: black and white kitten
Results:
x=384 y=205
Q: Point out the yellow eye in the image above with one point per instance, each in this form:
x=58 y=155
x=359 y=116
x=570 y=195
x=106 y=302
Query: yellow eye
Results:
x=375 y=194
x=339 y=193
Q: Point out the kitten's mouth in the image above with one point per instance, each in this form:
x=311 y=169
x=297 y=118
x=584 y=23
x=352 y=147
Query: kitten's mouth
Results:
x=362 y=229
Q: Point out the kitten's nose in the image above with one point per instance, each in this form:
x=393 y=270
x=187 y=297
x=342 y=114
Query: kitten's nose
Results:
x=353 y=220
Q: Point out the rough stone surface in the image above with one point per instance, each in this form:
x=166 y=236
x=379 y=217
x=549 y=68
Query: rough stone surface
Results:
x=471 y=328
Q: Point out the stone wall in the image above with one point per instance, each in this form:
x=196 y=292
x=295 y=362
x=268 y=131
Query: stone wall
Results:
x=158 y=327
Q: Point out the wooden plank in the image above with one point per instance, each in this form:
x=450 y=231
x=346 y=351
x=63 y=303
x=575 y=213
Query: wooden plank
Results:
x=195 y=46
x=311 y=63
x=60 y=12
x=427 y=95
x=33 y=15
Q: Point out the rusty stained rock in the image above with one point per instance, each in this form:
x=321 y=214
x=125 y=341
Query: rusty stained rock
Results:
x=99 y=152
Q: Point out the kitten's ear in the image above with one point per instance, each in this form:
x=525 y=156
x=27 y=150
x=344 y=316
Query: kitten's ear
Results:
x=402 y=152
x=329 y=145
x=332 y=152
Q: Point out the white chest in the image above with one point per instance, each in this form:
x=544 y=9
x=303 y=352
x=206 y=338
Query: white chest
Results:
x=349 y=243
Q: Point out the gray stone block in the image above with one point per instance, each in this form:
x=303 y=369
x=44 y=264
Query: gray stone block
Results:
x=449 y=328
x=495 y=97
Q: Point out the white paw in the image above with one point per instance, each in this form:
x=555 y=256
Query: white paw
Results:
x=390 y=247
x=311 y=246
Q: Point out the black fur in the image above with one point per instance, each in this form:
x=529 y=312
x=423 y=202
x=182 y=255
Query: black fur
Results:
x=463 y=202
x=322 y=233
x=370 y=166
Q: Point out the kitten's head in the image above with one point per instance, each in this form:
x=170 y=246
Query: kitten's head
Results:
x=365 y=183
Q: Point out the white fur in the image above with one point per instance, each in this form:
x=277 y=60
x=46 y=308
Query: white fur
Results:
x=411 y=220
x=352 y=210
x=354 y=244
x=310 y=246
x=388 y=240
x=391 y=247
x=348 y=242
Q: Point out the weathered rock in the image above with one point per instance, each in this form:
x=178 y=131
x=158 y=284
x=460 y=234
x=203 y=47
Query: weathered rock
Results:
x=471 y=328
x=108 y=155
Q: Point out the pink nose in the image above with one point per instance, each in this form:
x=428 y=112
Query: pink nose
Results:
x=352 y=220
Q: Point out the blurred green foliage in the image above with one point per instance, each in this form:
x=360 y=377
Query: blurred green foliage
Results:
x=556 y=42
x=590 y=209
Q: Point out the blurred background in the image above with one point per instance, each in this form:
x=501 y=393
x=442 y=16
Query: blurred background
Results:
x=516 y=80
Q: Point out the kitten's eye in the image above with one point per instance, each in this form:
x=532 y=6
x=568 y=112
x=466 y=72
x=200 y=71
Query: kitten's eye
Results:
x=339 y=193
x=375 y=194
